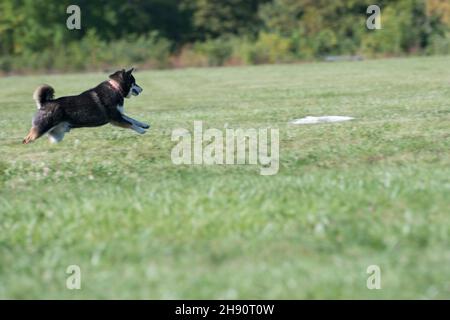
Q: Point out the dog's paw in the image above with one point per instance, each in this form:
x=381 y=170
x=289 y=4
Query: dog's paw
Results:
x=138 y=129
x=145 y=126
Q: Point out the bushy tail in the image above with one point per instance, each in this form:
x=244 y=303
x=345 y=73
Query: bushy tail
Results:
x=42 y=94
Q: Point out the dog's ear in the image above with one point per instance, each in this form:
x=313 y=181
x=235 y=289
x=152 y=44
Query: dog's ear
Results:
x=130 y=71
x=118 y=75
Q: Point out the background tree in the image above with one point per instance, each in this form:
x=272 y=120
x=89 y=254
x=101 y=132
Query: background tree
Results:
x=214 y=18
x=33 y=34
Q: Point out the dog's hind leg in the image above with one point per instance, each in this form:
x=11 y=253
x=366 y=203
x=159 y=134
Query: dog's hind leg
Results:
x=32 y=135
x=56 y=134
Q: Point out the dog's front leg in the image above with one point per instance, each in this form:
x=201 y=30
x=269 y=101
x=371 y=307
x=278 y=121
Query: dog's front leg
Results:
x=123 y=123
x=137 y=123
x=129 y=119
x=137 y=129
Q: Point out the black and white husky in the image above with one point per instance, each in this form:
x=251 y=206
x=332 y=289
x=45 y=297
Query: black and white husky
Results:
x=92 y=108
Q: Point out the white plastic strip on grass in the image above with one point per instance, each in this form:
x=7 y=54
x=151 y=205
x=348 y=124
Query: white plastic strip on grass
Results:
x=323 y=119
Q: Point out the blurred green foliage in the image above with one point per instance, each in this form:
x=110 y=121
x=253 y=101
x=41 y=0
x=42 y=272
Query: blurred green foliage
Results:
x=164 y=33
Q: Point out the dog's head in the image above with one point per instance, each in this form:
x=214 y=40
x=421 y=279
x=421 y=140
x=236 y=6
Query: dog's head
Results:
x=126 y=82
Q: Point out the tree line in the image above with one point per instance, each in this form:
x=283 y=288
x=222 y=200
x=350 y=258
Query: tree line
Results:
x=164 y=33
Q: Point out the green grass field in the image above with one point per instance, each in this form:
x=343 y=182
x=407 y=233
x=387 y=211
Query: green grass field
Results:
x=372 y=191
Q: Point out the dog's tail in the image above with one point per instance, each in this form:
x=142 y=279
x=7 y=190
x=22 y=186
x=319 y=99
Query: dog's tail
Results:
x=43 y=94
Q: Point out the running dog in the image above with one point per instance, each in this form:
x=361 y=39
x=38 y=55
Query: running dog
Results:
x=92 y=108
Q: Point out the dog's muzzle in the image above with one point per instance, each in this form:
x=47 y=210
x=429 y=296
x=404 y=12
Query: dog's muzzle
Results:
x=136 y=90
